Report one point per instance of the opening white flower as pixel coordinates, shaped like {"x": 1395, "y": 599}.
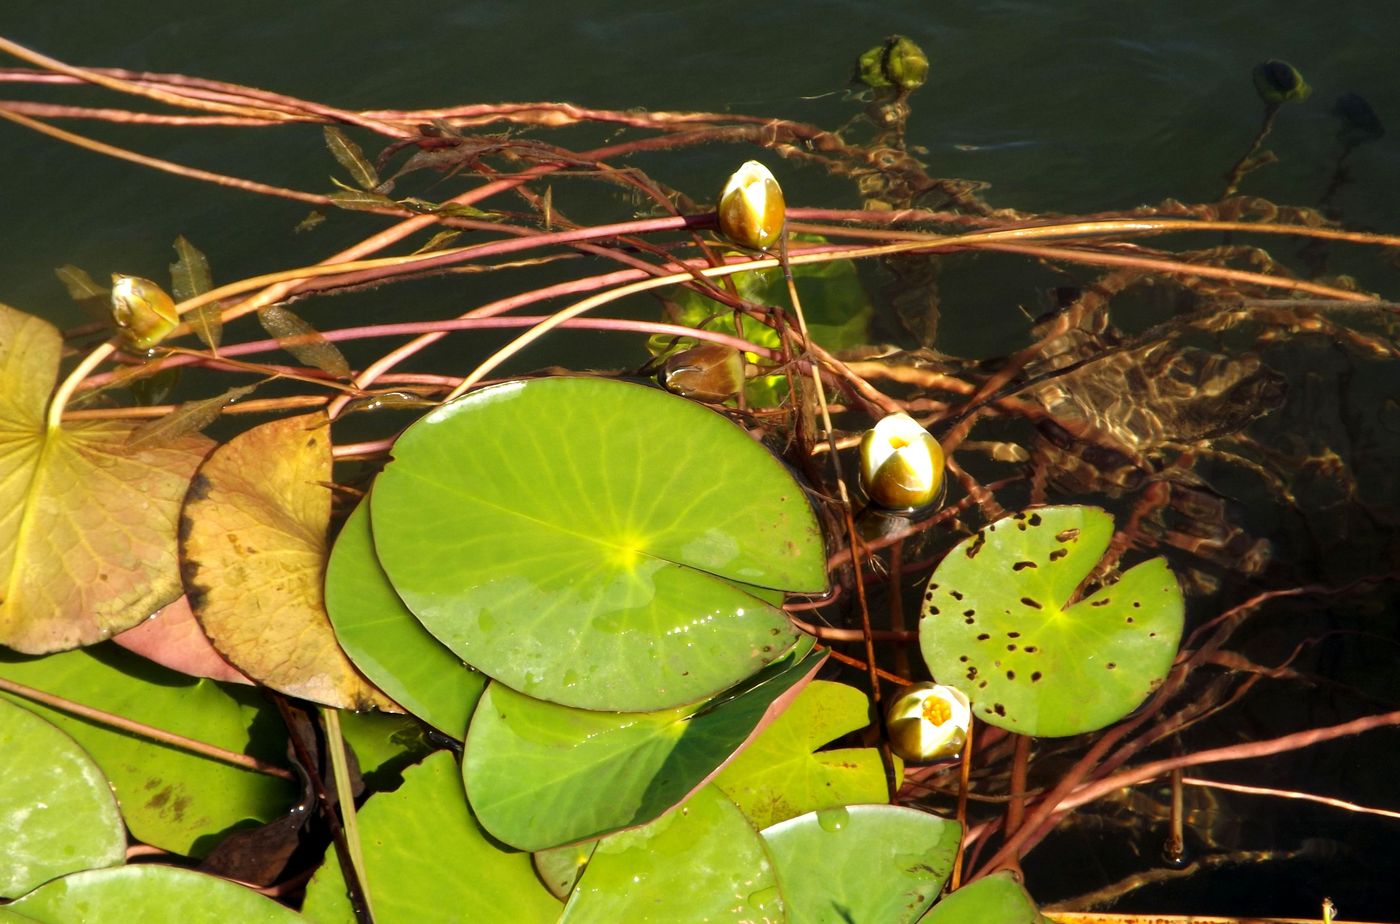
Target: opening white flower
{"x": 751, "y": 207}
{"x": 901, "y": 464}
{"x": 928, "y": 722}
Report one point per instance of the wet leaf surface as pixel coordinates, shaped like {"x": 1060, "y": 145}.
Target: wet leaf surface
{"x": 87, "y": 525}
{"x": 153, "y": 895}
{"x": 578, "y": 540}
{"x": 253, "y": 543}
{"x": 57, "y": 814}
{"x": 881, "y": 863}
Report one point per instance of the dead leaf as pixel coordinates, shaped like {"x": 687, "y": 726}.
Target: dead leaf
{"x": 87, "y": 525}
{"x": 303, "y": 341}
{"x": 172, "y": 638}
{"x": 253, "y": 552}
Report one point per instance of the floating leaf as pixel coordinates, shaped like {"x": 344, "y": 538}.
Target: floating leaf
{"x": 576, "y": 539}
{"x": 172, "y": 638}
{"x": 349, "y": 156}
{"x": 253, "y": 547}
{"x": 882, "y": 863}
{"x": 150, "y": 894}
{"x": 384, "y": 640}
{"x": 778, "y": 776}
{"x": 189, "y": 276}
{"x": 57, "y": 814}
{"x": 87, "y": 525}
{"x": 540, "y": 775}
{"x": 190, "y": 417}
{"x": 425, "y": 853}
{"x": 994, "y": 899}
{"x": 303, "y": 341}
{"x": 170, "y": 798}
{"x": 996, "y": 624}
{"x": 701, "y": 862}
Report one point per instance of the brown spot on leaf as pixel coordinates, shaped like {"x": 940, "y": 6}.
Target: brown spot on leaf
{"x": 955, "y": 594}
{"x": 1067, "y": 535}
{"x": 999, "y": 709}
{"x": 1027, "y": 601}
{"x": 983, "y": 637}
{"x": 1104, "y": 601}
{"x": 1023, "y": 565}
{"x": 1035, "y": 677}
{"x": 977, "y": 544}
{"x": 1057, "y": 554}
{"x": 1035, "y": 519}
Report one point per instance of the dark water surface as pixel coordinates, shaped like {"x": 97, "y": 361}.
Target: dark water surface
{"x": 1072, "y": 106}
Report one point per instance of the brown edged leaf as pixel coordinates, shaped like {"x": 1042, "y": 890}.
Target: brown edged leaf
{"x": 303, "y": 341}
{"x": 349, "y": 156}
{"x": 189, "y": 276}
{"x": 87, "y": 524}
{"x": 190, "y": 417}
{"x": 172, "y": 638}
{"x": 253, "y": 551}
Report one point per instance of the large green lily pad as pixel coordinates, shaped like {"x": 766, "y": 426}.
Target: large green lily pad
{"x": 150, "y": 894}
{"x": 881, "y": 863}
{"x": 998, "y": 624}
{"x": 782, "y": 774}
{"x": 540, "y": 775}
{"x": 57, "y": 813}
{"x": 386, "y": 643}
{"x": 580, "y": 540}
{"x": 701, "y": 862}
{"x": 410, "y": 881}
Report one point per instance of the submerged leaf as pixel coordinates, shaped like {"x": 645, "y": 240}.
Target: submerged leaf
{"x": 87, "y": 524}
{"x": 94, "y": 299}
{"x": 303, "y": 341}
{"x": 253, "y": 549}
{"x": 190, "y": 417}
{"x": 189, "y": 276}
{"x": 349, "y": 156}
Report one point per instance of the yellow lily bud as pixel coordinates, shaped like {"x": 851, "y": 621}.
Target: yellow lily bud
{"x": 708, "y": 372}
{"x": 901, "y": 464}
{"x": 928, "y": 722}
{"x": 142, "y": 310}
{"x": 751, "y": 207}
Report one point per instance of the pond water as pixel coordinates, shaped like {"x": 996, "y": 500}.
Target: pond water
{"x": 1075, "y": 107}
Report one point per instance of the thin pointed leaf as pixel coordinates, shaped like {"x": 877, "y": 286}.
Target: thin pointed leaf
{"x": 190, "y": 417}
{"x": 303, "y": 341}
{"x": 189, "y": 276}
{"x": 349, "y": 155}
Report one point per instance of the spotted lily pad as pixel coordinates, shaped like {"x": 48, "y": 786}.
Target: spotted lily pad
{"x": 998, "y": 624}
{"x": 583, "y": 541}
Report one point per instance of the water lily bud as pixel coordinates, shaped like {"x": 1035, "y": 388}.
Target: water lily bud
{"x": 1278, "y": 82}
{"x": 142, "y": 310}
{"x": 901, "y": 464}
{"x": 870, "y": 69}
{"x": 708, "y": 372}
{"x": 927, "y": 722}
{"x": 751, "y": 207}
{"x": 906, "y": 65}
{"x": 1359, "y": 121}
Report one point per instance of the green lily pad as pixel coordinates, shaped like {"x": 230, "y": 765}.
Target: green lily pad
{"x": 997, "y": 626}
{"x": 880, "y": 863}
{"x": 578, "y": 539}
{"x": 169, "y": 798}
{"x": 540, "y": 775}
{"x": 150, "y": 894}
{"x": 782, "y": 774}
{"x": 57, "y": 813}
{"x": 702, "y": 862}
{"x": 425, "y": 853}
{"x": 995, "y": 899}
{"x": 386, "y": 643}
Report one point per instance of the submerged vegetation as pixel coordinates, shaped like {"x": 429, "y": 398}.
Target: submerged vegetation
{"x": 625, "y": 644}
